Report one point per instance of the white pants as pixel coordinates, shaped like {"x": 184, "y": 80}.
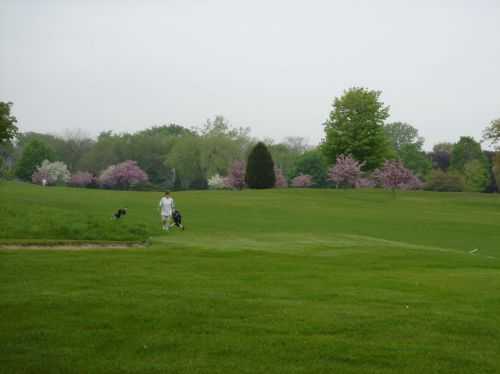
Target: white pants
{"x": 165, "y": 219}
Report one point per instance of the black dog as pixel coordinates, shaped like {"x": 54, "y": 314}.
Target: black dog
{"x": 177, "y": 217}
{"x": 119, "y": 213}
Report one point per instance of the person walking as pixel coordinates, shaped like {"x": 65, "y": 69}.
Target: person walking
{"x": 167, "y": 207}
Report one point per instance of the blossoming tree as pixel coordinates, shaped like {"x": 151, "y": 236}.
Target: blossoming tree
{"x": 81, "y": 179}
{"x": 216, "y": 182}
{"x": 123, "y": 175}
{"x": 302, "y": 180}
{"x": 394, "y": 175}
{"x": 236, "y": 175}
{"x": 281, "y": 181}
{"x": 51, "y": 172}
{"x": 346, "y": 172}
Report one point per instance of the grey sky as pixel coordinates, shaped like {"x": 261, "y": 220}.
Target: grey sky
{"x": 272, "y": 65}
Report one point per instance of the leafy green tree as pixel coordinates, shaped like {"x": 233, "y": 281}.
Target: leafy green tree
{"x": 466, "y": 150}
{"x": 74, "y": 146}
{"x": 185, "y": 159}
{"x": 476, "y": 176}
{"x": 33, "y": 155}
{"x": 8, "y": 128}
{"x": 415, "y": 159}
{"x": 443, "y": 147}
{"x": 171, "y": 131}
{"x": 491, "y": 186}
{"x": 356, "y": 127}
{"x": 407, "y": 146}
{"x": 221, "y": 144}
{"x": 311, "y": 163}
{"x": 54, "y": 142}
{"x": 6, "y": 159}
{"x": 260, "y": 168}
{"x": 109, "y": 149}
{"x": 286, "y": 153}
{"x": 400, "y": 134}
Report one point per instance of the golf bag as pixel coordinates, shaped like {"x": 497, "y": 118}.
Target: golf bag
{"x": 177, "y": 217}
{"x": 119, "y": 213}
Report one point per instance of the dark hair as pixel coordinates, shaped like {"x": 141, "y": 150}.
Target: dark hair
{"x": 167, "y": 192}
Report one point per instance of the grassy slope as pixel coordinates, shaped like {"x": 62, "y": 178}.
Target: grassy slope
{"x": 262, "y": 281}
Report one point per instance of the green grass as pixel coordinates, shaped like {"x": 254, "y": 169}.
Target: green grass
{"x": 280, "y": 281}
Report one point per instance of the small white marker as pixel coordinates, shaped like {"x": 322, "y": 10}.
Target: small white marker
{"x": 474, "y": 251}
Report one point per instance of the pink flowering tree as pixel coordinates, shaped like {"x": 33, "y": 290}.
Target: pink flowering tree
{"x": 236, "y": 175}
{"x": 280, "y": 180}
{"x": 346, "y": 172}
{"x": 81, "y": 179}
{"x": 393, "y": 175}
{"x": 302, "y": 181}
{"x": 123, "y": 175}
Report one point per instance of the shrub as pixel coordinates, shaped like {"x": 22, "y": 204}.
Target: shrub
{"x": 216, "y": 182}
{"x": 302, "y": 181}
{"x": 260, "y": 168}
{"x": 393, "y": 175}
{"x": 81, "y": 179}
{"x": 236, "y": 175}
{"x": 280, "y": 179}
{"x": 52, "y": 172}
{"x": 124, "y": 175}
{"x": 346, "y": 171}
{"x": 444, "y": 181}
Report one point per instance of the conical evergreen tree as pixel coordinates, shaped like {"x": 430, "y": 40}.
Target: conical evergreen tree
{"x": 260, "y": 168}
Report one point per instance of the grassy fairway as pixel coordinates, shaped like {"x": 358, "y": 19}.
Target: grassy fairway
{"x": 281, "y": 281}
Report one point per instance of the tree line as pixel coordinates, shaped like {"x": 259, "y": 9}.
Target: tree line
{"x": 357, "y": 140}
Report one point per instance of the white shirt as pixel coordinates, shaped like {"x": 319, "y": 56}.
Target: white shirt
{"x": 166, "y": 206}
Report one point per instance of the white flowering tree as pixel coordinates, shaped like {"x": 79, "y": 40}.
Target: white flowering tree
{"x": 52, "y": 173}
{"x": 216, "y": 182}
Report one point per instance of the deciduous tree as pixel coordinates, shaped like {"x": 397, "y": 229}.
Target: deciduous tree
{"x": 236, "y": 175}
{"x": 467, "y": 149}
{"x": 441, "y": 155}
{"x": 407, "y": 146}
{"x": 311, "y": 163}
{"x": 302, "y": 181}
{"x": 346, "y": 172}
{"x": 281, "y": 181}
{"x": 34, "y": 153}
{"x": 52, "y": 172}
{"x": 356, "y": 127}
{"x": 491, "y": 133}
{"x": 82, "y": 179}
{"x": 124, "y": 175}
{"x": 393, "y": 175}
{"x": 8, "y": 128}
{"x": 476, "y": 176}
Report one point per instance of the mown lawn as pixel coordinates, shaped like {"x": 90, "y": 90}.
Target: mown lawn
{"x": 281, "y": 281}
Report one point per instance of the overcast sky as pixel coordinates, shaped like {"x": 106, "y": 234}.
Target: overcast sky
{"x": 275, "y": 66}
